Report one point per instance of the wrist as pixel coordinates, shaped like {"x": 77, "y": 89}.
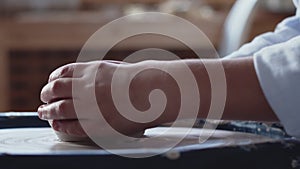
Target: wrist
{"x": 152, "y": 79}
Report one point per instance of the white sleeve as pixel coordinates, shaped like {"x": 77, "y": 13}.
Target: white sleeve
{"x": 286, "y": 30}
{"x": 278, "y": 70}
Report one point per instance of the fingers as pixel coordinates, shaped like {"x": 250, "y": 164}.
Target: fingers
{"x": 67, "y": 71}
{"x": 70, "y": 127}
{"x": 64, "y": 71}
{"x": 57, "y": 90}
{"x": 76, "y": 70}
{"x": 60, "y": 110}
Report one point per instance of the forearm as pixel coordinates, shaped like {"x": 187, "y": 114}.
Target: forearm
{"x": 244, "y": 99}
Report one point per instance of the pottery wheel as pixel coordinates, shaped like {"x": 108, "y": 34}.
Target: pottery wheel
{"x": 44, "y": 141}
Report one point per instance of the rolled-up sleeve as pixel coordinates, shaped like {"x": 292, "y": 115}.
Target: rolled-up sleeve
{"x": 277, "y": 64}
{"x": 278, "y": 71}
{"x": 286, "y": 30}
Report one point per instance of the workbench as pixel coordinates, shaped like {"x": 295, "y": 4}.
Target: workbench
{"x": 27, "y": 142}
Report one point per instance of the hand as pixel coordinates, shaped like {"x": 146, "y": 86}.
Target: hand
{"x": 59, "y": 99}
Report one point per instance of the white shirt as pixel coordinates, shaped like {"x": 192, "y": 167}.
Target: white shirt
{"x": 277, "y": 64}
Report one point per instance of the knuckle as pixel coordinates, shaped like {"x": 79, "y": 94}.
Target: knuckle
{"x": 105, "y": 65}
{"x": 67, "y": 69}
{"x": 61, "y": 71}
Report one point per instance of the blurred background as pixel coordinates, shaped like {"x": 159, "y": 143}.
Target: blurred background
{"x": 37, "y": 36}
